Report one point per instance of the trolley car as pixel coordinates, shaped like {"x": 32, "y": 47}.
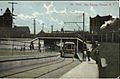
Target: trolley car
{"x": 68, "y": 49}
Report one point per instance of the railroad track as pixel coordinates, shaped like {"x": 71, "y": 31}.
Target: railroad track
{"x": 9, "y": 64}
{"x": 55, "y": 66}
{"x": 42, "y": 64}
{"x": 55, "y": 69}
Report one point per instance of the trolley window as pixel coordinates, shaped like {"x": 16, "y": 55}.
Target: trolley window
{"x": 69, "y": 46}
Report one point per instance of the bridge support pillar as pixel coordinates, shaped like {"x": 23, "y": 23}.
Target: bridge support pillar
{"x": 39, "y": 45}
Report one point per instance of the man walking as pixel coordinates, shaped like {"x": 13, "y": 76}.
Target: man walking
{"x": 88, "y": 54}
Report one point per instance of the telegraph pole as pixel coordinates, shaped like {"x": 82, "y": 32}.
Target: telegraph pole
{"x": 34, "y": 23}
{"x": 12, "y": 3}
{"x": 43, "y": 27}
{"x": 83, "y": 30}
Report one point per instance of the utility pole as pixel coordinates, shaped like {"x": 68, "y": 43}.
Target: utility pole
{"x": 12, "y": 3}
{"x": 34, "y": 23}
{"x": 43, "y": 27}
{"x": 51, "y": 28}
{"x": 83, "y": 30}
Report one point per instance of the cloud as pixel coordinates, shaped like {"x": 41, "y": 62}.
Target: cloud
{"x": 62, "y": 12}
{"x": 33, "y": 15}
{"x": 49, "y": 8}
{"x": 39, "y": 21}
{"x": 36, "y": 14}
{"x": 76, "y": 12}
{"x": 52, "y": 18}
{"x": 24, "y": 17}
{"x": 93, "y": 12}
{"x": 53, "y": 13}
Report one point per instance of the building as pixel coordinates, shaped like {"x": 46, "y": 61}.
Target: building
{"x": 113, "y": 26}
{"x": 104, "y": 28}
{"x": 6, "y": 29}
{"x": 97, "y": 22}
{"x": 6, "y": 19}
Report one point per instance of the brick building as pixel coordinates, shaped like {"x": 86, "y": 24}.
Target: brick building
{"x": 104, "y": 28}
{"x": 6, "y": 29}
{"x": 97, "y": 22}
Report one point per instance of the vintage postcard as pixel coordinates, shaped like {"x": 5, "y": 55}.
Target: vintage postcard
{"x": 59, "y": 39}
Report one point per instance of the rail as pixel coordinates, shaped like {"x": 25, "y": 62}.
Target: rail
{"x": 50, "y": 62}
{"x": 30, "y": 58}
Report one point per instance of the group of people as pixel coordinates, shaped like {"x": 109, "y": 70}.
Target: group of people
{"x": 87, "y": 52}
{"x": 32, "y": 46}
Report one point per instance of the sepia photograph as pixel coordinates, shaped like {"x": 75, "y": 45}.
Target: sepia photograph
{"x": 60, "y": 39}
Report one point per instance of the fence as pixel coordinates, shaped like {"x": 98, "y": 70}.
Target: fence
{"x": 17, "y": 45}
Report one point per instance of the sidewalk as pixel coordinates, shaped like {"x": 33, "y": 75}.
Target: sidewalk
{"x": 87, "y": 69}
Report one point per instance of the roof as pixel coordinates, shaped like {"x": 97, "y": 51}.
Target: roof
{"x": 101, "y": 16}
{"x": 7, "y": 12}
{"x": 23, "y": 28}
{"x": 58, "y": 35}
{"x": 69, "y": 43}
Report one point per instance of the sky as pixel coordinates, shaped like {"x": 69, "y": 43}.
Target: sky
{"x": 55, "y": 13}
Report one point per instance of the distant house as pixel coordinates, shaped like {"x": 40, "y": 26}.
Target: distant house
{"x": 6, "y": 29}
{"x": 23, "y": 31}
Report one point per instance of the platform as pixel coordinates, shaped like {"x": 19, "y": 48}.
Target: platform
{"x": 22, "y": 56}
{"x": 87, "y": 69}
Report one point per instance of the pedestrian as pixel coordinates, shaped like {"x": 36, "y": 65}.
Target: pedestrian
{"x": 84, "y": 54}
{"x": 24, "y": 47}
{"x": 88, "y": 54}
{"x": 31, "y": 46}
{"x": 97, "y": 58}
{"x": 39, "y": 47}
{"x": 94, "y": 45}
